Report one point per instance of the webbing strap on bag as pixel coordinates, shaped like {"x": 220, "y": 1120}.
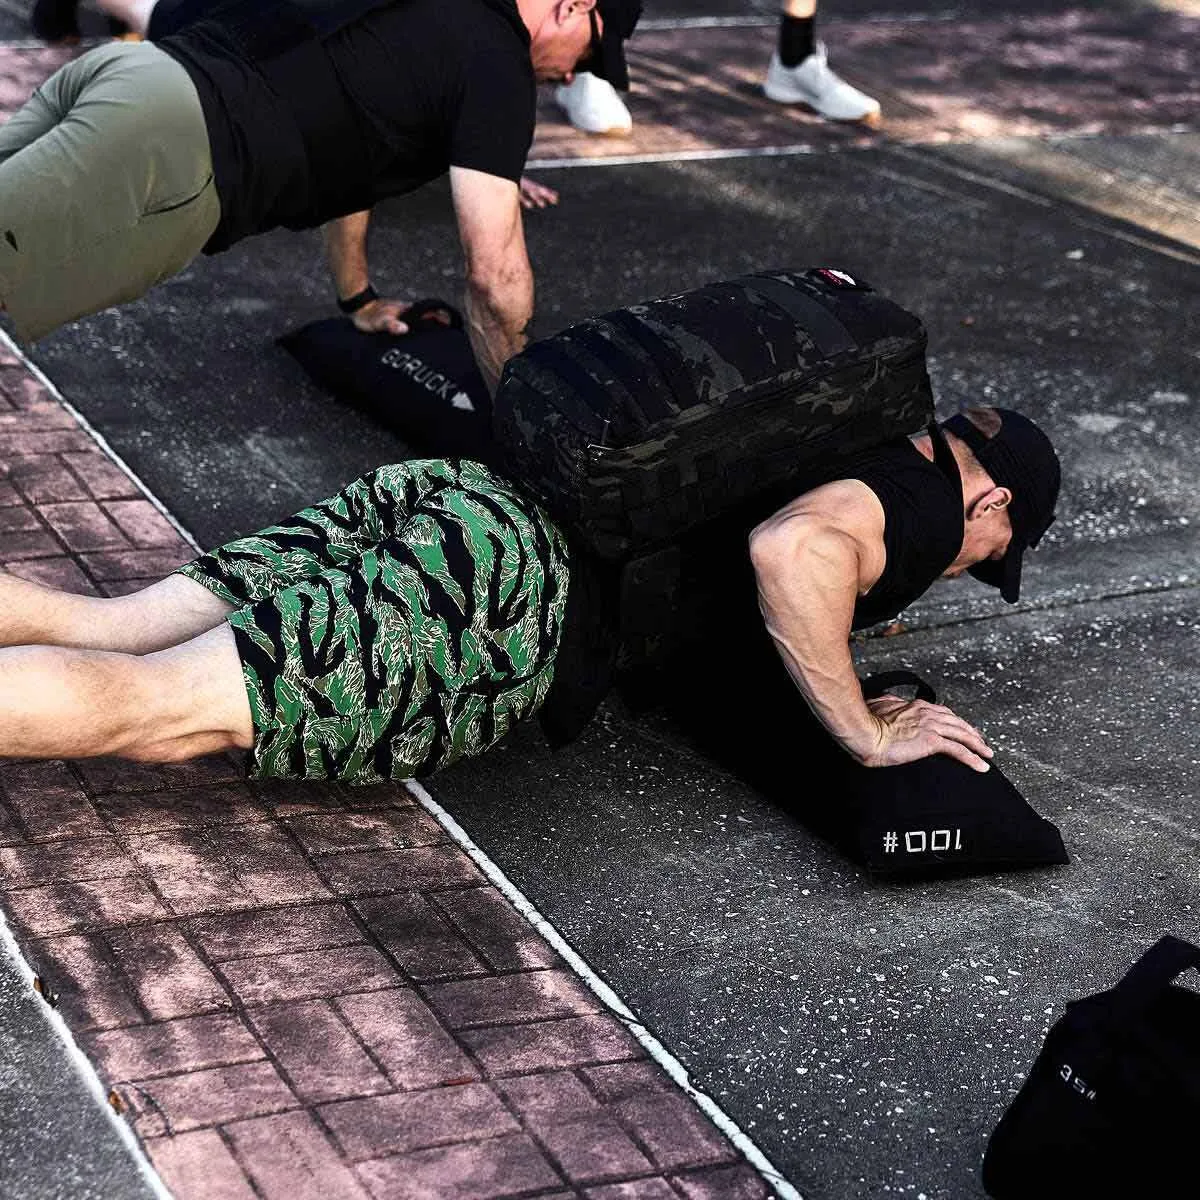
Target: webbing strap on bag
{"x": 877, "y": 685}
{"x": 579, "y": 383}
{"x": 943, "y": 456}
{"x": 649, "y": 402}
{"x": 670, "y": 366}
{"x": 830, "y": 335}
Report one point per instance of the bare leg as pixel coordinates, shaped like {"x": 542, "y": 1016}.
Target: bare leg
{"x": 166, "y": 614}
{"x": 164, "y": 707}
{"x": 799, "y": 8}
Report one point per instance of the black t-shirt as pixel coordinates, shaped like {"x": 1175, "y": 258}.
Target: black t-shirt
{"x": 716, "y": 615}
{"x": 374, "y": 109}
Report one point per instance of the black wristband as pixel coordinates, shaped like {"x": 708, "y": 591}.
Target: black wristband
{"x": 359, "y": 300}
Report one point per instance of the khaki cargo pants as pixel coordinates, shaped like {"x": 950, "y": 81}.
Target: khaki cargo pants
{"x": 106, "y": 186}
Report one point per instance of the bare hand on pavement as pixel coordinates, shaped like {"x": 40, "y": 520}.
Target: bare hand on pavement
{"x": 534, "y": 194}
{"x": 912, "y": 729}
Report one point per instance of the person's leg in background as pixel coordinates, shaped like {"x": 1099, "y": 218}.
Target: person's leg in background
{"x": 106, "y": 186}
{"x": 799, "y": 72}
{"x": 57, "y": 21}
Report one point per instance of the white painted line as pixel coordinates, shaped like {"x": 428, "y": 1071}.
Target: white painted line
{"x": 669, "y": 156}
{"x": 97, "y": 437}
{"x": 653, "y": 1047}
{"x": 648, "y": 24}
{"x": 668, "y": 23}
{"x": 83, "y": 1067}
{"x": 1074, "y": 212}
{"x": 866, "y": 143}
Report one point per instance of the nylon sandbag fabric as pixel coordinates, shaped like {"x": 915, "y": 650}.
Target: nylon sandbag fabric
{"x": 932, "y": 818}
{"x": 1111, "y": 1105}
{"x": 423, "y": 385}
{"x": 641, "y": 424}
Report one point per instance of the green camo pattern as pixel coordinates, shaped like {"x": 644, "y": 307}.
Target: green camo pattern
{"x": 406, "y": 622}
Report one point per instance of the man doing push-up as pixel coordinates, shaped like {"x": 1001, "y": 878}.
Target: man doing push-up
{"x": 418, "y": 615}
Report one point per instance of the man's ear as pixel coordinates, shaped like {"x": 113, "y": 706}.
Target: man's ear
{"x": 995, "y": 499}
{"x": 566, "y": 9}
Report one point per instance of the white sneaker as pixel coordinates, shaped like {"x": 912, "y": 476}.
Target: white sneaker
{"x": 811, "y": 82}
{"x": 592, "y": 104}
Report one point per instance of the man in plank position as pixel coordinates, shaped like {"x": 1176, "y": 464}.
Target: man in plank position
{"x": 134, "y": 158}
{"x": 416, "y": 616}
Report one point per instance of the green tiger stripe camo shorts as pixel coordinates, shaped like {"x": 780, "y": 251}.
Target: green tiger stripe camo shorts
{"x": 408, "y": 621}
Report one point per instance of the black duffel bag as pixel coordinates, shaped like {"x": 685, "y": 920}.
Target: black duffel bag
{"x": 639, "y": 425}
{"x": 1112, "y": 1102}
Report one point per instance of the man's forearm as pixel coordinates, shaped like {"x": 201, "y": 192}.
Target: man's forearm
{"x": 346, "y": 249}
{"x": 825, "y": 675}
{"x": 812, "y": 560}
{"x": 806, "y": 595}
{"x": 497, "y": 319}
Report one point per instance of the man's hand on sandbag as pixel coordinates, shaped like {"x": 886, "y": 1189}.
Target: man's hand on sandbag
{"x": 912, "y": 729}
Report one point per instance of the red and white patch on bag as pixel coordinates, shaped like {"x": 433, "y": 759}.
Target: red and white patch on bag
{"x": 837, "y": 278}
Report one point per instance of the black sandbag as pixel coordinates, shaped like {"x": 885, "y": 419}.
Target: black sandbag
{"x": 423, "y": 385}
{"x": 937, "y": 814}
{"x": 1112, "y": 1102}
{"x": 933, "y": 817}
{"x": 640, "y": 425}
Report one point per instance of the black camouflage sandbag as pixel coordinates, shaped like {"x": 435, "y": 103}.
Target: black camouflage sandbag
{"x": 638, "y": 425}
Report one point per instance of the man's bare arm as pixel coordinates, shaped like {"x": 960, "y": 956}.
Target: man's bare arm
{"x": 346, "y": 249}
{"x": 499, "y": 298}
{"x": 812, "y": 559}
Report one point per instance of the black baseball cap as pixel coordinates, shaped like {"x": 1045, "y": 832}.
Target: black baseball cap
{"x": 607, "y": 56}
{"x": 1017, "y": 456}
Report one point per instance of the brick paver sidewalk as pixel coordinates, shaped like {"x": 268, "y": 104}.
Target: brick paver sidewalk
{"x": 301, "y": 991}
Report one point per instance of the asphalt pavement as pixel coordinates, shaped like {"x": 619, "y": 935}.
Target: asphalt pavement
{"x": 867, "y": 1036}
